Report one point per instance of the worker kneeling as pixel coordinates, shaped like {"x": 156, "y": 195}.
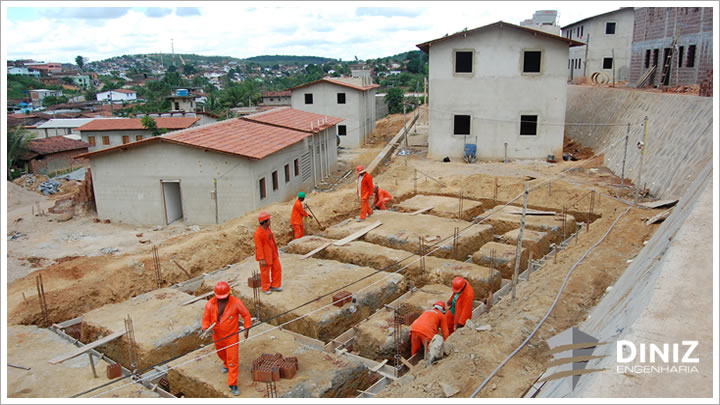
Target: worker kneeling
{"x": 460, "y": 304}
{"x": 222, "y": 314}
{"x": 381, "y": 198}
{"x": 297, "y": 215}
{"x": 426, "y": 326}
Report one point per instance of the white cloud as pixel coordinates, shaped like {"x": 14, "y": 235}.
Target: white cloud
{"x": 338, "y": 30}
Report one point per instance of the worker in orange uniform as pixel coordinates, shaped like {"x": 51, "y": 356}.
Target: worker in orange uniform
{"x": 266, "y": 252}
{"x": 224, "y": 312}
{"x": 365, "y": 189}
{"x": 460, "y": 304}
{"x": 381, "y": 198}
{"x": 297, "y": 215}
{"x": 426, "y": 326}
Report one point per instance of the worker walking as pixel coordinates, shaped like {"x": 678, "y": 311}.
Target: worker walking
{"x": 381, "y": 198}
{"x": 297, "y": 216}
{"x": 460, "y": 304}
{"x": 222, "y": 314}
{"x": 266, "y": 252}
{"x": 365, "y": 189}
{"x": 426, "y": 326}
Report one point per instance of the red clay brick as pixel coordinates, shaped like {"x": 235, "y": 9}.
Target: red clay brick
{"x": 341, "y": 298}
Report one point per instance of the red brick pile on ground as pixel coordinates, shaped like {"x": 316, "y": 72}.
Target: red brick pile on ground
{"x": 576, "y": 150}
{"x": 272, "y": 367}
{"x": 706, "y": 86}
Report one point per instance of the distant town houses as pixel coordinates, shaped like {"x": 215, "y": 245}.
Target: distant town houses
{"x": 117, "y": 95}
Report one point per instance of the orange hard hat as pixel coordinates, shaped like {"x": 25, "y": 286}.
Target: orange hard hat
{"x": 222, "y": 290}
{"x": 458, "y": 284}
{"x": 264, "y": 216}
{"x": 440, "y": 305}
{"x": 360, "y": 168}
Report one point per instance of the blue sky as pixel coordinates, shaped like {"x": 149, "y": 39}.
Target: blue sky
{"x": 57, "y": 31}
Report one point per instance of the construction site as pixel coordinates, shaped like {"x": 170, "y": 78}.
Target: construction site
{"x": 106, "y": 310}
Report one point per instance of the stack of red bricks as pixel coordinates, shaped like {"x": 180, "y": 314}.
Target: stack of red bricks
{"x": 272, "y": 367}
{"x": 706, "y": 86}
{"x": 254, "y": 282}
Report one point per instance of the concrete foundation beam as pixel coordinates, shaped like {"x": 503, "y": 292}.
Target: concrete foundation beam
{"x": 446, "y": 207}
{"x": 501, "y": 257}
{"x": 163, "y": 327}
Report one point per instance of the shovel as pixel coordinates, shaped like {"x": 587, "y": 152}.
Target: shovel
{"x": 316, "y": 218}
{"x": 204, "y": 333}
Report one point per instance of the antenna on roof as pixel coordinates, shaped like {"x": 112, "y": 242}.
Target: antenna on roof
{"x": 311, "y": 126}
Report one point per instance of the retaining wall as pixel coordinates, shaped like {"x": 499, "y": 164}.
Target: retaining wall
{"x": 679, "y": 133}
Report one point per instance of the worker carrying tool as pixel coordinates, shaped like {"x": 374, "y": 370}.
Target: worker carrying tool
{"x": 460, "y": 304}
{"x": 365, "y": 189}
{"x": 297, "y": 216}
{"x": 426, "y": 326}
{"x": 381, "y": 198}
{"x": 266, "y": 252}
{"x": 222, "y": 315}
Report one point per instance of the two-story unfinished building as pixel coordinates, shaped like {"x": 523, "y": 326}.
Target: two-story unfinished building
{"x": 501, "y": 87}
{"x": 607, "y": 40}
{"x": 352, "y": 99}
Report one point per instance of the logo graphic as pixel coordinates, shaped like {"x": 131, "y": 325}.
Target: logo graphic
{"x": 571, "y": 350}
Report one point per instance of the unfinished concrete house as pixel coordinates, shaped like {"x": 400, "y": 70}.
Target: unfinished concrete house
{"x": 110, "y": 132}
{"x": 511, "y": 106}
{"x": 352, "y": 99}
{"x": 676, "y": 41}
{"x": 213, "y": 173}
{"x": 607, "y": 39}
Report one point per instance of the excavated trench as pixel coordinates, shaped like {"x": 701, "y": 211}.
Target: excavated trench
{"x": 369, "y": 330}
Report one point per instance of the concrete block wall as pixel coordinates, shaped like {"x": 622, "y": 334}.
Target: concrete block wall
{"x": 655, "y": 28}
{"x": 680, "y": 133}
{"x": 57, "y": 161}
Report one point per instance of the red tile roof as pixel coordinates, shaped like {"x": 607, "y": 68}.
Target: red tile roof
{"x": 295, "y": 119}
{"x": 425, "y": 46}
{"x": 235, "y": 136}
{"x": 285, "y": 93}
{"x": 55, "y": 144}
{"x": 124, "y": 124}
{"x": 339, "y": 83}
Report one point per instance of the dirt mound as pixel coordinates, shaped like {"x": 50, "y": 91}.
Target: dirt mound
{"x": 17, "y": 196}
{"x": 575, "y": 149}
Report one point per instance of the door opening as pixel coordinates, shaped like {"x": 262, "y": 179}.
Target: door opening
{"x": 172, "y": 199}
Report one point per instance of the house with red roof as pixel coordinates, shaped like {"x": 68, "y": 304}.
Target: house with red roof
{"x": 276, "y": 97}
{"x": 350, "y": 98}
{"x": 47, "y": 155}
{"x": 104, "y": 133}
{"x": 212, "y": 173}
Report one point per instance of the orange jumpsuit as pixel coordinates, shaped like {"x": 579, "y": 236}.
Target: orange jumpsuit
{"x": 265, "y": 248}
{"x": 425, "y": 327}
{"x": 227, "y": 326}
{"x": 296, "y": 219}
{"x": 463, "y": 308}
{"x": 381, "y": 198}
{"x": 365, "y": 191}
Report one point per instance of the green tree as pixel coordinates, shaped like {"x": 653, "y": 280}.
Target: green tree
{"x": 172, "y": 68}
{"x": 149, "y": 123}
{"x": 188, "y": 69}
{"x": 17, "y": 146}
{"x": 53, "y": 100}
{"x": 80, "y": 61}
{"x": 394, "y": 100}
{"x": 67, "y": 80}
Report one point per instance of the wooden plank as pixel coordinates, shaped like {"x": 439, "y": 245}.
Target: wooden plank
{"x": 659, "y": 217}
{"x": 366, "y": 392}
{"x": 345, "y": 241}
{"x": 321, "y": 247}
{"x": 387, "y": 376}
{"x": 533, "y": 212}
{"x": 86, "y": 348}
{"x": 68, "y": 323}
{"x": 379, "y": 366}
{"x": 406, "y": 363}
{"x": 659, "y": 203}
{"x": 421, "y": 211}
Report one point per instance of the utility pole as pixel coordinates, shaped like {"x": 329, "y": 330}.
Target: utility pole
{"x": 643, "y": 147}
{"x": 622, "y": 176}
{"x": 613, "y": 66}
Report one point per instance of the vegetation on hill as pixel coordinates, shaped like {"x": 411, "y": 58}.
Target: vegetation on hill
{"x": 289, "y": 60}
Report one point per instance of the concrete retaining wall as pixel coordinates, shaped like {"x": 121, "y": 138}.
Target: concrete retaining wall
{"x": 679, "y": 133}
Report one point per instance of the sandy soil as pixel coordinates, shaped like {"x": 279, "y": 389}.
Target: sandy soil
{"x": 77, "y": 285}
{"x": 55, "y": 381}
{"x": 47, "y": 241}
